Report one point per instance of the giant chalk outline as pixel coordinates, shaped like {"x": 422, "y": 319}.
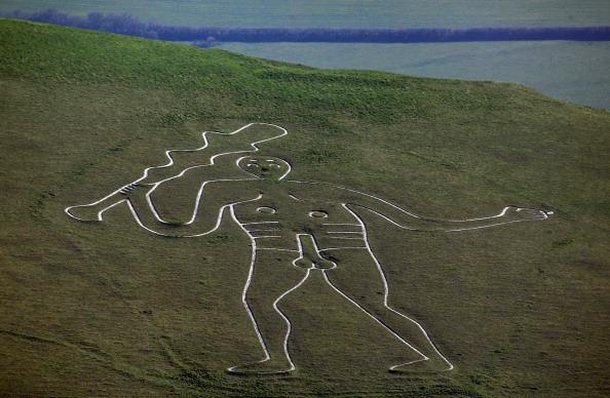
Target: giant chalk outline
{"x": 305, "y": 254}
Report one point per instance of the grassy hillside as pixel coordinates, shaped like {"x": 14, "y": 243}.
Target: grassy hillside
{"x": 107, "y": 309}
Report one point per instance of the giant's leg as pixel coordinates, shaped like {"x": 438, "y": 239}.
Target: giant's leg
{"x": 272, "y": 276}
{"x": 360, "y": 279}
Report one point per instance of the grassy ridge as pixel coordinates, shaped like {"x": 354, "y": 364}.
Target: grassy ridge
{"x": 107, "y": 309}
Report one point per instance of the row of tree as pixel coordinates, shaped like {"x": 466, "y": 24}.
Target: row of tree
{"x": 206, "y": 36}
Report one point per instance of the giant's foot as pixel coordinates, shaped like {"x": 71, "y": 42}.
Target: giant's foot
{"x": 264, "y": 367}
{"x": 422, "y": 366}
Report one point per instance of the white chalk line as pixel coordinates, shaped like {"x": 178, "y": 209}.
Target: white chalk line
{"x": 288, "y": 331}
{"x": 171, "y": 162}
{"x": 244, "y": 298}
{"x": 315, "y": 248}
{"x": 289, "y": 167}
{"x": 544, "y": 214}
{"x": 275, "y": 307}
{"x": 364, "y": 237}
{"x": 197, "y": 199}
{"x": 470, "y": 228}
{"x": 289, "y": 325}
{"x": 245, "y": 291}
{"x": 214, "y": 228}
{"x": 386, "y": 291}
{"x": 345, "y": 296}
{"x": 342, "y": 248}
{"x": 277, "y": 250}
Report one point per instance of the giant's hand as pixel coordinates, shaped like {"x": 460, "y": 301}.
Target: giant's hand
{"x": 86, "y": 213}
{"x": 514, "y": 213}
{"x": 95, "y": 211}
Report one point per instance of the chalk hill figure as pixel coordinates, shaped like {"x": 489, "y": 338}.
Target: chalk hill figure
{"x": 309, "y": 226}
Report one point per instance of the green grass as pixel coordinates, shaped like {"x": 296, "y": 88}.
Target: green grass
{"x": 106, "y": 309}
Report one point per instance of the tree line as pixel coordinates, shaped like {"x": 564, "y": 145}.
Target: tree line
{"x": 207, "y": 36}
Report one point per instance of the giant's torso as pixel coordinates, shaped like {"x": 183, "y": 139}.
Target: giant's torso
{"x": 274, "y": 221}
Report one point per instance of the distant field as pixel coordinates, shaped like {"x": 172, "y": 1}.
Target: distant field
{"x": 106, "y": 309}
{"x": 569, "y": 71}
{"x": 342, "y": 13}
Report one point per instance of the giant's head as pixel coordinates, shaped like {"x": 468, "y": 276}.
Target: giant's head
{"x": 266, "y": 167}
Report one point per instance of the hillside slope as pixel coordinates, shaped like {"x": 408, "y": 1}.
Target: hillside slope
{"x": 108, "y": 309}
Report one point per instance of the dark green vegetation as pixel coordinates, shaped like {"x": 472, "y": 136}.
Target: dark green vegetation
{"x": 107, "y": 309}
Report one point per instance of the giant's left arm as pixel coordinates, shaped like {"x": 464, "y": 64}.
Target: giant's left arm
{"x": 358, "y": 201}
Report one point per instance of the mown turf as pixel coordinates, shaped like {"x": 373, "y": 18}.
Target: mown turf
{"x": 106, "y": 309}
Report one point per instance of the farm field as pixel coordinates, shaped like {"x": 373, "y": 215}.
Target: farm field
{"x": 106, "y": 309}
{"x": 340, "y": 13}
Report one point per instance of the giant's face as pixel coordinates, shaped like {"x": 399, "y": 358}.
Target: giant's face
{"x": 266, "y": 167}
